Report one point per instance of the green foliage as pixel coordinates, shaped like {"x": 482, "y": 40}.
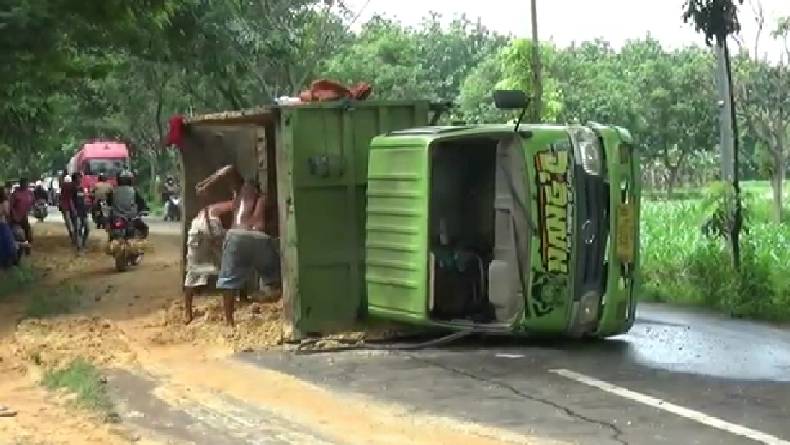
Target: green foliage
{"x": 83, "y": 379}
{"x": 681, "y": 265}
{"x": 718, "y": 206}
{"x": 517, "y": 74}
{"x": 50, "y": 302}
{"x": 16, "y": 279}
{"x": 430, "y": 61}
{"x": 715, "y": 19}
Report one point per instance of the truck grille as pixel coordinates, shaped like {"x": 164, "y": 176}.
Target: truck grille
{"x": 591, "y": 233}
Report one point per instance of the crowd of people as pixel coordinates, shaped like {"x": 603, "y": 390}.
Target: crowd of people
{"x": 75, "y": 204}
{"x": 16, "y": 235}
{"x": 227, "y": 242}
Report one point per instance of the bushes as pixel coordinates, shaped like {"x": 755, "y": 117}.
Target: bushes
{"x": 682, "y": 265}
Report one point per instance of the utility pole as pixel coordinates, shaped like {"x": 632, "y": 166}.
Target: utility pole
{"x": 537, "y": 75}
{"x": 728, "y": 135}
{"x": 726, "y": 141}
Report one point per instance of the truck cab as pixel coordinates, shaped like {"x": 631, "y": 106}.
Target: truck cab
{"x": 529, "y": 229}
{"x": 99, "y": 156}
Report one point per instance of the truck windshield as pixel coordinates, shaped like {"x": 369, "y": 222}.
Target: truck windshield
{"x": 110, "y": 167}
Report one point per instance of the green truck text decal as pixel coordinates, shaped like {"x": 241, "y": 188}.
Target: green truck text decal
{"x": 554, "y": 209}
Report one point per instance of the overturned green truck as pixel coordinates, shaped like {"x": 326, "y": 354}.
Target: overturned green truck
{"x": 530, "y": 229}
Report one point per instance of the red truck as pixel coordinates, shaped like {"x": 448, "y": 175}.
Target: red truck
{"x": 99, "y": 156}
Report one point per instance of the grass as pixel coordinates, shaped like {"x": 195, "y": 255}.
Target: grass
{"x": 680, "y": 265}
{"x": 16, "y": 279}
{"x": 83, "y": 380}
{"x": 47, "y": 303}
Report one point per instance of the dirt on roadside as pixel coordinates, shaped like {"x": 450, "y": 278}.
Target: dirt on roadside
{"x": 134, "y": 321}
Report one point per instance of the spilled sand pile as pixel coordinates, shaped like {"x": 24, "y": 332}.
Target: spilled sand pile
{"x": 258, "y": 326}
{"x": 55, "y": 342}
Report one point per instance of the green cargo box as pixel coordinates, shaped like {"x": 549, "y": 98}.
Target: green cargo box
{"x": 314, "y": 159}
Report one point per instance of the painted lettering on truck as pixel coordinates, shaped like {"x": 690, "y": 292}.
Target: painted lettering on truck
{"x": 554, "y": 208}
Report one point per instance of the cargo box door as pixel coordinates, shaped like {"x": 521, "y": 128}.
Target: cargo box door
{"x": 396, "y": 230}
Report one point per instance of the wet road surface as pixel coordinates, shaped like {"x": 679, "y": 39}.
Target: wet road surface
{"x": 680, "y": 376}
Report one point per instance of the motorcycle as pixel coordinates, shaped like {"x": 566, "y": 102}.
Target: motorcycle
{"x": 173, "y": 208}
{"x": 124, "y": 244}
{"x": 40, "y": 210}
{"x": 101, "y": 213}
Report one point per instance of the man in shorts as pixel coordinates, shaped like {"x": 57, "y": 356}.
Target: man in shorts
{"x": 247, "y": 247}
{"x": 204, "y": 250}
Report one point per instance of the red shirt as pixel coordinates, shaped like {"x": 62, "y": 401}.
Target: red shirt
{"x": 66, "y": 196}
{"x": 21, "y": 203}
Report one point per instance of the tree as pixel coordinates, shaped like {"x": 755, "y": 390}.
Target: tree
{"x": 717, "y": 20}
{"x": 765, "y": 107}
{"x": 428, "y": 62}
{"x": 517, "y": 72}
{"x": 50, "y": 48}
{"x": 675, "y": 110}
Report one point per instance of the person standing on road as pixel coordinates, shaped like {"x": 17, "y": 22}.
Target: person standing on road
{"x": 80, "y": 213}
{"x": 65, "y": 205}
{"x": 8, "y": 254}
{"x": 204, "y": 250}
{"x": 247, "y": 247}
{"x": 21, "y": 202}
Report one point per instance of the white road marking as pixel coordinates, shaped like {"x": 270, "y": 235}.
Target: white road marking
{"x": 504, "y": 355}
{"x": 655, "y": 402}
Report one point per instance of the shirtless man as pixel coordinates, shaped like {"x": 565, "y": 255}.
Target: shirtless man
{"x": 247, "y": 246}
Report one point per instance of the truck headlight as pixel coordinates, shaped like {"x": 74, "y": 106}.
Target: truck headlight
{"x": 589, "y": 151}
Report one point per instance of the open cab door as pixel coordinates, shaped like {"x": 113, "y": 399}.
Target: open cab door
{"x": 396, "y": 269}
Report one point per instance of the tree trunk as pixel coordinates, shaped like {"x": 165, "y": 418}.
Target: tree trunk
{"x": 672, "y": 178}
{"x": 777, "y": 182}
{"x": 152, "y": 170}
{"x": 736, "y": 229}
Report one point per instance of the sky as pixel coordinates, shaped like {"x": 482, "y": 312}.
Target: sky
{"x": 565, "y": 21}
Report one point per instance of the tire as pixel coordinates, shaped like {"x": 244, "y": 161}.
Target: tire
{"x": 120, "y": 262}
{"x": 135, "y": 260}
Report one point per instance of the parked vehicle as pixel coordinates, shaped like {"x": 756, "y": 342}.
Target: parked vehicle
{"x": 40, "y": 209}
{"x": 125, "y": 244}
{"x": 515, "y": 229}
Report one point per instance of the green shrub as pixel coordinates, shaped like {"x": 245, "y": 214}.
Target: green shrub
{"x": 680, "y": 264}
{"x": 49, "y": 302}
{"x": 16, "y": 279}
{"x": 83, "y": 379}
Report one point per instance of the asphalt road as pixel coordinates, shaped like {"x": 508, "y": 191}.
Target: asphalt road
{"x": 679, "y": 377}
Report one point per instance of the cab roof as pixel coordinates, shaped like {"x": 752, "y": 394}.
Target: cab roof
{"x": 105, "y": 149}
{"x": 435, "y": 133}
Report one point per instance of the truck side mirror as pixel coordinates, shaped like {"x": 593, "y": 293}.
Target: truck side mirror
{"x": 510, "y": 99}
